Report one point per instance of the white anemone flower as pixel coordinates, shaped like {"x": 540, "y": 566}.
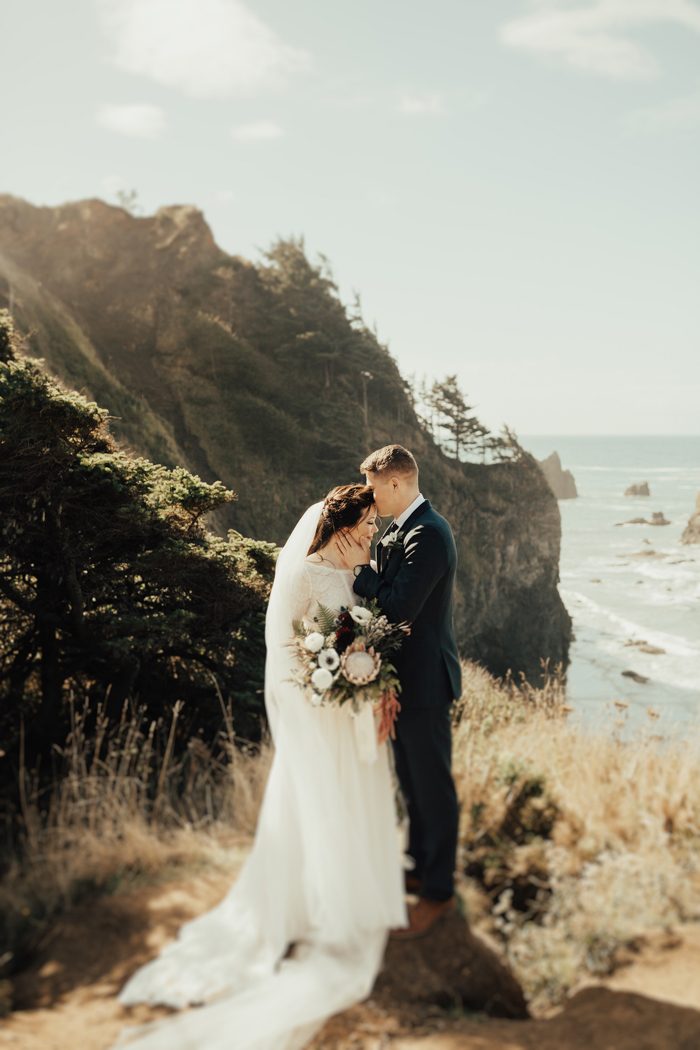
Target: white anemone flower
{"x": 329, "y": 659}
{"x": 314, "y": 642}
{"x": 361, "y": 615}
{"x": 321, "y": 679}
{"x": 316, "y": 699}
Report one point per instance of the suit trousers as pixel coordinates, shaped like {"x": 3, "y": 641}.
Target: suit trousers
{"x": 423, "y": 756}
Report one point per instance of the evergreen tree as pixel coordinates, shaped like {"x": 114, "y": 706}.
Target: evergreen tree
{"x": 426, "y": 407}
{"x": 454, "y": 418}
{"x": 505, "y": 447}
{"x": 312, "y": 320}
{"x": 110, "y": 586}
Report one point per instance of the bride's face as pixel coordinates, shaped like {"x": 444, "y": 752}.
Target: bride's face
{"x": 366, "y": 526}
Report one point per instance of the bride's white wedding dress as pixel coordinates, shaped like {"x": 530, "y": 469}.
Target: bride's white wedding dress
{"x": 324, "y": 872}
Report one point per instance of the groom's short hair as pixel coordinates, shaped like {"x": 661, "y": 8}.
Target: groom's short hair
{"x": 392, "y": 459}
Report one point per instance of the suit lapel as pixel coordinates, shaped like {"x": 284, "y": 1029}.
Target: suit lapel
{"x": 382, "y": 554}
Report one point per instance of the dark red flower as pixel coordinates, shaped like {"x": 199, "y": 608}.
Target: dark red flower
{"x": 344, "y": 636}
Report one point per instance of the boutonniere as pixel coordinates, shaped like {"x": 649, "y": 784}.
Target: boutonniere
{"x": 405, "y": 540}
{"x": 394, "y": 539}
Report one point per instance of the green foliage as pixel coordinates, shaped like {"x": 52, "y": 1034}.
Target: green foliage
{"x": 463, "y": 431}
{"x": 325, "y": 619}
{"x": 6, "y": 337}
{"x": 110, "y": 586}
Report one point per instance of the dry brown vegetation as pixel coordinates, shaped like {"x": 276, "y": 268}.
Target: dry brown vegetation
{"x": 583, "y": 843}
{"x": 576, "y": 846}
{"x": 124, "y": 811}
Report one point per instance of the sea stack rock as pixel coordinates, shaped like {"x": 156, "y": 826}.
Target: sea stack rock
{"x": 640, "y": 489}
{"x": 657, "y": 518}
{"x": 560, "y": 481}
{"x": 691, "y": 533}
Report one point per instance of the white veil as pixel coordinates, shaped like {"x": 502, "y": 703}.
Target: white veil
{"x": 284, "y": 597}
{"x": 312, "y": 832}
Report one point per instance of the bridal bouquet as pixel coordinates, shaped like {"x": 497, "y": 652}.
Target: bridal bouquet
{"x": 344, "y": 659}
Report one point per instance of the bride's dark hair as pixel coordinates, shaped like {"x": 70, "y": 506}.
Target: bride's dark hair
{"x": 343, "y": 507}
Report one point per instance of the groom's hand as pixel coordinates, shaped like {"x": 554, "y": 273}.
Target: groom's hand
{"x": 351, "y": 551}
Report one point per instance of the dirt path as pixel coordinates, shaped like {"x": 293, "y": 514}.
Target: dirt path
{"x": 68, "y": 997}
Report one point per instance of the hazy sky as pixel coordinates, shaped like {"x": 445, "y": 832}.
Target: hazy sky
{"x": 511, "y": 185}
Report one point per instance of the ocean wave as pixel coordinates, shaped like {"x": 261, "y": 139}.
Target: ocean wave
{"x": 683, "y": 575}
{"x": 602, "y": 638}
{"x": 594, "y": 614}
{"x": 666, "y": 572}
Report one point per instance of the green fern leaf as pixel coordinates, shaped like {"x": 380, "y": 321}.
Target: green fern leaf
{"x": 325, "y": 619}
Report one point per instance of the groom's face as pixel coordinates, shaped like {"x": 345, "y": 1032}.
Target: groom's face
{"x": 385, "y": 492}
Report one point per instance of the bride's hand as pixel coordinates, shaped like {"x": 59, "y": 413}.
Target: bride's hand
{"x": 351, "y": 551}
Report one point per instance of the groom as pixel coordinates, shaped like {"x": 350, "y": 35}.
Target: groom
{"x": 414, "y": 581}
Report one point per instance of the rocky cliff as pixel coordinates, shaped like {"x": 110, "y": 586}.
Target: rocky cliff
{"x": 258, "y": 375}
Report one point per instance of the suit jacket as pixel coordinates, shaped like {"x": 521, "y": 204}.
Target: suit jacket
{"x": 414, "y": 581}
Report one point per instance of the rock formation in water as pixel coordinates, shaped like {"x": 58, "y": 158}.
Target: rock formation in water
{"x": 257, "y": 375}
{"x": 639, "y": 678}
{"x": 644, "y": 646}
{"x": 560, "y": 481}
{"x": 638, "y": 489}
{"x": 657, "y": 518}
{"x": 691, "y": 533}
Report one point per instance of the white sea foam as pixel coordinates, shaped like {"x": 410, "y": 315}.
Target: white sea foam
{"x": 664, "y": 572}
{"x": 607, "y": 631}
{"x": 594, "y": 614}
{"x": 682, "y": 578}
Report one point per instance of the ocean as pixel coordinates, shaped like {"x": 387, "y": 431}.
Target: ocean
{"x": 631, "y": 583}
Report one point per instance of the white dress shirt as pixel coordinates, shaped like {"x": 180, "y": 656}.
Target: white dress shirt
{"x": 403, "y": 517}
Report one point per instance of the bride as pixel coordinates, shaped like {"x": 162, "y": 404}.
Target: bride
{"x": 301, "y": 933}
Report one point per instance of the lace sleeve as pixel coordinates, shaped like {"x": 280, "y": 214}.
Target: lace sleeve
{"x": 302, "y": 596}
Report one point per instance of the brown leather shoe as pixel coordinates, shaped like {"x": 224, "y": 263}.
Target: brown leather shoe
{"x": 411, "y": 882}
{"x": 422, "y": 916}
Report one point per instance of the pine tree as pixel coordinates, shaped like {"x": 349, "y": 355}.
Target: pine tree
{"x": 454, "y": 417}
{"x": 110, "y": 585}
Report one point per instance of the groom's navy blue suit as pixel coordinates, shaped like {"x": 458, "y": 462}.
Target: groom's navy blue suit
{"x": 414, "y": 581}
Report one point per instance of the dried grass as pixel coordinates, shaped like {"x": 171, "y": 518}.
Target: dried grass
{"x": 584, "y": 842}
{"x": 581, "y": 843}
{"x": 123, "y": 811}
